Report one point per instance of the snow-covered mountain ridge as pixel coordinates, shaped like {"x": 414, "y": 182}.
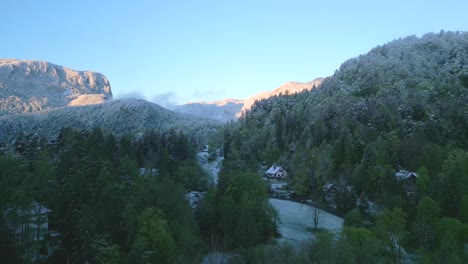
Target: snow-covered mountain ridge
{"x": 232, "y": 109}
{"x": 122, "y": 116}
{"x": 32, "y": 86}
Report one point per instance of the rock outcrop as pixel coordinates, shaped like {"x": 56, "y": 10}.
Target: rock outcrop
{"x": 35, "y": 86}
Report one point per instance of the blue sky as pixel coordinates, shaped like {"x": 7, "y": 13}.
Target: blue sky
{"x": 179, "y": 51}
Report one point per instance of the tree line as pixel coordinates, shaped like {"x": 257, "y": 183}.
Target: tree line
{"x": 400, "y": 106}
{"x": 106, "y": 209}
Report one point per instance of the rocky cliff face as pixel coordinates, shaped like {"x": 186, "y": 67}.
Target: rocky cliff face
{"x": 34, "y": 86}
{"x": 231, "y": 109}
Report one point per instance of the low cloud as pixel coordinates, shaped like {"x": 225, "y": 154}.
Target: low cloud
{"x": 166, "y": 100}
{"x": 131, "y": 94}
{"x": 209, "y": 95}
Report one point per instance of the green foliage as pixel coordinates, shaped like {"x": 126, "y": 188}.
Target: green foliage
{"x": 238, "y": 213}
{"x": 396, "y": 107}
{"x": 89, "y": 180}
{"x": 390, "y": 228}
{"x": 464, "y": 80}
{"x": 366, "y": 248}
{"x": 191, "y": 175}
{"x": 155, "y": 237}
{"x": 352, "y": 245}
{"x": 454, "y": 184}
{"x": 427, "y": 215}
{"x": 449, "y": 247}
{"x": 378, "y": 113}
{"x": 10, "y": 252}
{"x": 353, "y": 218}
{"x": 106, "y": 252}
{"x": 423, "y": 180}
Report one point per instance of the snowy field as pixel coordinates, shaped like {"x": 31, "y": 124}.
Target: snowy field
{"x": 296, "y": 220}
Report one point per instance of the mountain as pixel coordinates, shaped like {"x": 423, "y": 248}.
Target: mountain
{"x": 132, "y": 116}
{"x": 222, "y": 111}
{"x": 287, "y": 88}
{"x": 232, "y": 109}
{"x": 403, "y": 105}
{"x": 34, "y": 86}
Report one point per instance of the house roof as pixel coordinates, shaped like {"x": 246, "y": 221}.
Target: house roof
{"x": 274, "y": 169}
{"x": 34, "y": 209}
{"x": 149, "y": 171}
{"x": 403, "y": 174}
{"x": 43, "y": 209}
{"x": 327, "y": 187}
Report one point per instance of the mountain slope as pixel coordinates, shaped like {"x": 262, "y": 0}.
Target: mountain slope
{"x": 287, "y": 88}
{"x": 33, "y": 86}
{"x": 231, "y": 109}
{"x": 222, "y": 111}
{"x": 402, "y": 105}
{"x": 132, "y": 116}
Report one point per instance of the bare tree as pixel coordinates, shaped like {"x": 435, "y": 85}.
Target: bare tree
{"x": 316, "y": 217}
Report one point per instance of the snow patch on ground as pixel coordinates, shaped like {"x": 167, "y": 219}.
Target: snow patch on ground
{"x": 296, "y": 220}
{"x": 216, "y": 258}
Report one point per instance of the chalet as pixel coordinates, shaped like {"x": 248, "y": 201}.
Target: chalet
{"x": 330, "y": 192}
{"x": 276, "y": 172}
{"x": 29, "y": 226}
{"x": 408, "y": 180}
{"x": 149, "y": 172}
{"x": 206, "y": 148}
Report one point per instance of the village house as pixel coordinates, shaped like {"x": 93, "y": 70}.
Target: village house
{"x": 408, "y": 180}
{"x": 29, "y": 227}
{"x": 206, "y": 148}
{"x": 149, "y": 172}
{"x": 330, "y": 192}
{"x": 276, "y": 172}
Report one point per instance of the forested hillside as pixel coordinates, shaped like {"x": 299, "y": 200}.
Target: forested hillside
{"x": 121, "y": 200}
{"x": 403, "y": 105}
{"x": 112, "y": 178}
{"x": 103, "y": 208}
{"x": 125, "y": 116}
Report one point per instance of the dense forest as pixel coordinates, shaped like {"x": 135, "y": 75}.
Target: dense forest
{"x": 123, "y": 116}
{"x": 122, "y": 200}
{"x": 100, "y": 204}
{"x": 403, "y": 105}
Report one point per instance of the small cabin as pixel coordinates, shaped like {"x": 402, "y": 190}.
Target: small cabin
{"x": 408, "y": 180}
{"x": 330, "y": 192}
{"x": 206, "y": 148}
{"x": 276, "y": 172}
{"x": 148, "y": 172}
{"x": 30, "y": 225}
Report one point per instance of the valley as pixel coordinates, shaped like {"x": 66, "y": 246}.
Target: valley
{"x": 383, "y": 142}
